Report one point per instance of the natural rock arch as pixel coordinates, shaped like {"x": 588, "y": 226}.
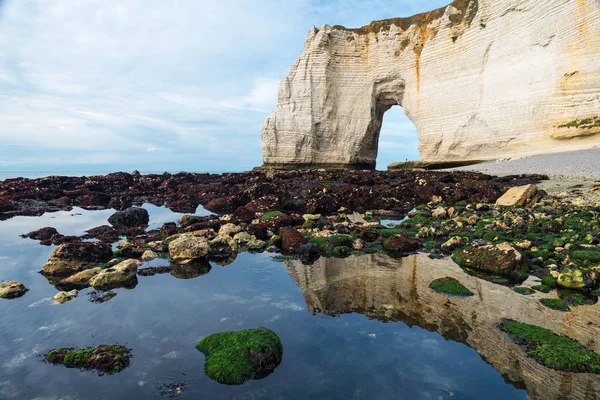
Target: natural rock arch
{"x": 480, "y": 79}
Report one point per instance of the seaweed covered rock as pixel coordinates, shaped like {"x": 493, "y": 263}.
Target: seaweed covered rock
{"x": 233, "y": 358}
{"x": 187, "y": 248}
{"x": 577, "y": 279}
{"x": 502, "y": 259}
{"x": 105, "y": 359}
{"x": 130, "y": 218}
{"x": 450, "y": 286}
{"x": 291, "y": 239}
{"x": 73, "y": 257}
{"x": 401, "y": 243}
{"x": 12, "y": 289}
{"x": 551, "y": 350}
{"x": 123, "y": 274}
{"x": 328, "y": 243}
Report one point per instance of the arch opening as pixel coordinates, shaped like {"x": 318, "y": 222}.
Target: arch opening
{"x": 397, "y": 139}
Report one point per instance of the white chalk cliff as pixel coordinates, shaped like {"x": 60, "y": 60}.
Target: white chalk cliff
{"x": 480, "y": 79}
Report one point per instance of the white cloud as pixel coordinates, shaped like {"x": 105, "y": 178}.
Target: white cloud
{"x": 86, "y": 80}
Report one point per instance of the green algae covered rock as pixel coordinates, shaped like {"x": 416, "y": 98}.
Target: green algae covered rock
{"x": 502, "y": 259}
{"x": 551, "y": 350}
{"x": 577, "y": 279}
{"x": 105, "y": 359}
{"x": 450, "y": 286}
{"x": 233, "y": 358}
{"x": 555, "y": 304}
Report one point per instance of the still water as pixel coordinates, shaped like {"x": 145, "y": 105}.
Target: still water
{"x": 361, "y": 328}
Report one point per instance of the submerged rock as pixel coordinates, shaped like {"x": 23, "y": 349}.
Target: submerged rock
{"x": 233, "y": 358}
{"x": 123, "y": 274}
{"x": 70, "y": 258}
{"x": 130, "y": 218}
{"x": 105, "y": 359}
{"x": 191, "y": 270}
{"x": 62, "y": 297}
{"x": 12, "y": 289}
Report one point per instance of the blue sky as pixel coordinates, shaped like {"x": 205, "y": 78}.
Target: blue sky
{"x": 156, "y": 85}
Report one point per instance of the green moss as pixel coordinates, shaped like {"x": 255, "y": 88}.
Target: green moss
{"x": 234, "y": 357}
{"x": 551, "y": 350}
{"x": 371, "y": 250}
{"x": 524, "y": 290}
{"x": 586, "y": 123}
{"x": 589, "y": 256}
{"x": 327, "y": 244}
{"x": 117, "y": 253}
{"x": 271, "y": 214}
{"x": 549, "y": 281}
{"x": 542, "y": 288}
{"x": 450, "y": 286}
{"x": 309, "y": 225}
{"x": 555, "y": 304}
{"x": 387, "y": 232}
{"x": 106, "y": 359}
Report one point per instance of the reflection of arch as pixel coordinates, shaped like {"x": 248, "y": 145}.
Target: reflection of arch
{"x": 398, "y": 290}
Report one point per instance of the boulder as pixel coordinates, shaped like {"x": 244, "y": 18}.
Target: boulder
{"x": 188, "y": 247}
{"x": 80, "y": 280}
{"x": 577, "y": 279}
{"x": 12, "y": 289}
{"x": 229, "y": 230}
{"x": 501, "y": 259}
{"x": 70, "y": 258}
{"x": 517, "y": 196}
{"x": 223, "y": 246}
{"x": 130, "y": 218}
{"x": 123, "y": 274}
{"x": 63, "y": 297}
{"x": 149, "y": 255}
{"x": 243, "y": 238}
{"x": 401, "y": 243}
{"x": 256, "y": 245}
{"x": 291, "y": 239}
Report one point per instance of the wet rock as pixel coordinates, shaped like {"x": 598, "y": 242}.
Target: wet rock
{"x": 187, "y": 248}
{"x": 577, "y": 279}
{"x": 439, "y": 213}
{"x": 222, "y": 247}
{"x": 123, "y": 274}
{"x": 358, "y": 244}
{"x": 452, "y": 244}
{"x": 130, "y": 218}
{"x": 229, "y": 230}
{"x": 291, "y": 239}
{"x": 70, "y": 258}
{"x": 308, "y": 252}
{"x": 63, "y": 297}
{"x": 43, "y": 234}
{"x": 243, "y": 238}
{"x": 151, "y": 271}
{"x": 401, "y": 243}
{"x": 99, "y": 297}
{"x": 168, "y": 229}
{"x": 105, "y": 359}
{"x": 104, "y": 233}
{"x": 149, "y": 255}
{"x": 12, "y": 289}
{"x": 256, "y": 245}
{"x": 517, "y": 196}
{"x": 80, "y": 280}
{"x": 502, "y": 259}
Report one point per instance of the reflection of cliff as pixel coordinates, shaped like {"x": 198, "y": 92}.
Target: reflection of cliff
{"x": 398, "y": 290}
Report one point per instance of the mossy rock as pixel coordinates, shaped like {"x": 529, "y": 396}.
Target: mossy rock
{"x": 232, "y": 358}
{"x": 552, "y": 350}
{"x": 341, "y": 251}
{"x": 105, "y": 359}
{"x": 450, "y": 286}
{"x": 327, "y": 244}
{"x": 524, "y": 290}
{"x": 549, "y": 281}
{"x": 586, "y": 256}
{"x": 271, "y": 214}
{"x": 371, "y": 250}
{"x": 542, "y": 288}
{"x": 555, "y": 304}
{"x": 309, "y": 225}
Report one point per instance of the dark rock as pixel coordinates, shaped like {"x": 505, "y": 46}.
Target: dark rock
{"x": 291, "y": 239}
{"x": 43, "y": 234}
{"x": 401, "y": 243}
{"x": 308, "y": 252}
{"x": 130, "y": 218}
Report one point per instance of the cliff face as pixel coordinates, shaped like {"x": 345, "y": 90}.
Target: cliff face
{"x": 480, "y": 79}
{"x": 388, "y": 289}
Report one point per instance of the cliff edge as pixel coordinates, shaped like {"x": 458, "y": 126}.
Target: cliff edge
{"x": 480, "y": 79}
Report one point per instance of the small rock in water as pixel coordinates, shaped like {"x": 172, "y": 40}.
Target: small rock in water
{"x": 100, "y": 297}
{"x": 130, "y": 218}
{"x": 149, "y": 255}
{"x": 63, "y": 297}
{"x": 12, "y": 289}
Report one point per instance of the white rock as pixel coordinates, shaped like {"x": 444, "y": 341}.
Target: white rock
{"x": 485, "y": 79}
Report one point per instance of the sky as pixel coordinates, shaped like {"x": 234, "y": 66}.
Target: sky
{"x": 154, "y": 85}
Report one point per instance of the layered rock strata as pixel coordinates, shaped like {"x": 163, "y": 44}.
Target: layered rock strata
{"x": 480, "y": 79}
